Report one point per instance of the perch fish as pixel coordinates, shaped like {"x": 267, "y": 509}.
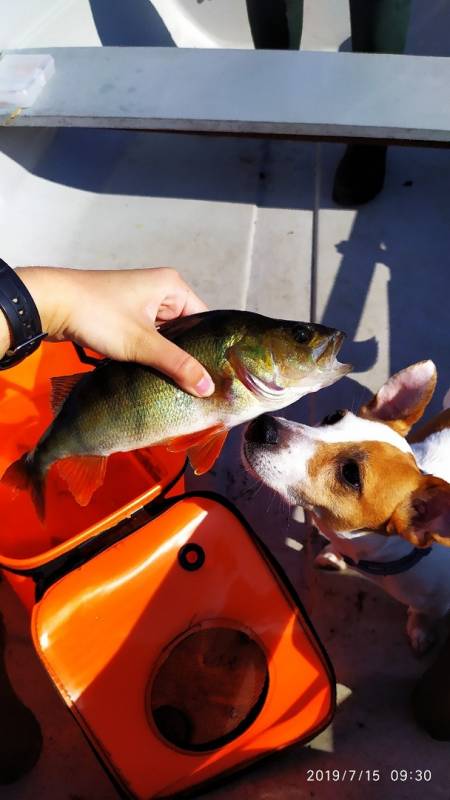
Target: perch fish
{"x": 258, "y": 364}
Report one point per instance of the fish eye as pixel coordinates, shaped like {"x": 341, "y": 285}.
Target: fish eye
{"x": 336, "y": 416}
{"x": 302, "y": 334}
{"x": 350, "y": 474}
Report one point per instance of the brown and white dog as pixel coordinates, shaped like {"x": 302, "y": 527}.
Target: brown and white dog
{"x": 363, "y": 482}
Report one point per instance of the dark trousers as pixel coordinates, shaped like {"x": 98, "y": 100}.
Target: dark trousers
{"x": 378, "y": 26}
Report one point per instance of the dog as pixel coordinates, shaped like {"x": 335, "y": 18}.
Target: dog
{"x": 381, "y": 501}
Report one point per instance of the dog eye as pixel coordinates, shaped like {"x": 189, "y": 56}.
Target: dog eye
{"x": 330, "y": 419}
{"x": 350, "y": 474}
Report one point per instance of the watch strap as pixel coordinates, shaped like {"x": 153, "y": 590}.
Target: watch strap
{"x": 22, "y": 316}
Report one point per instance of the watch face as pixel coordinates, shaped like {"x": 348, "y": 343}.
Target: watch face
{"x": 209, "y": 688}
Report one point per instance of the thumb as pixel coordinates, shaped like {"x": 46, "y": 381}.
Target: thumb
{"x": 178, "y": 365}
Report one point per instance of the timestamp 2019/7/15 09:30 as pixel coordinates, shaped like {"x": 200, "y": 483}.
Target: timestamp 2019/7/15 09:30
{"x": 369, "y": 775}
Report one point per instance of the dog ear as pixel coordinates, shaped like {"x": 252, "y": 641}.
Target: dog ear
{"x": 403, "y": 398}
{"x": 424, "y": 515}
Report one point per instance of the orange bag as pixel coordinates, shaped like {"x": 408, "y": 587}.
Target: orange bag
{"x": 26, "y": 545}
{"x": 165, "y": 625}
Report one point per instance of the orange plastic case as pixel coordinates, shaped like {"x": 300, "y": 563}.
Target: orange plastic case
{"x": 163, "y": 622}
{"x": 132, "y": 479}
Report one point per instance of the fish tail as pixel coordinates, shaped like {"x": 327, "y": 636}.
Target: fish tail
{"x": 23, "y": 474}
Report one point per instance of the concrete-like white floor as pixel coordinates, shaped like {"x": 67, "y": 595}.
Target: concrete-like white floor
{"x": 235, "y": 217}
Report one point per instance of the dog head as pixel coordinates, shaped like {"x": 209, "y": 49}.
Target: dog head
{"x": 357, "y": 472}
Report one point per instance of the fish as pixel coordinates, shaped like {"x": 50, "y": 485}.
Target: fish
{"x": 258, "y": 364}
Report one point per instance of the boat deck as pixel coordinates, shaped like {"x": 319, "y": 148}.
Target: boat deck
{"x": 234, "y": 216}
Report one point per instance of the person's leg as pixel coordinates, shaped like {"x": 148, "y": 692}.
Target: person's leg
{"x": 378, "y": 26}
{"x": 21, "y": 737}
{"x": 431, "y": 697}
{"x": 276, "y": 24}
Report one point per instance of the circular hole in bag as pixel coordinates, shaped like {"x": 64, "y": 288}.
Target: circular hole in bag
{"x": 209, "y": 687}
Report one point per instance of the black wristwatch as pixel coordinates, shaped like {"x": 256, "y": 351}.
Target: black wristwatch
{"x": 21, "y": 315}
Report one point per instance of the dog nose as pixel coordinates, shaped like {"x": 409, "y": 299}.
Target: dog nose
{"x": 263, "y": 430}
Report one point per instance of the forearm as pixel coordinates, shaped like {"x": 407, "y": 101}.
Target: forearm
{"x": 49, "y": 289}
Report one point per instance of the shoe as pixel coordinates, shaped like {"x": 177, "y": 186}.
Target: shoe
{"x": 360, "y": 174}
{"x": 21, "y": 737}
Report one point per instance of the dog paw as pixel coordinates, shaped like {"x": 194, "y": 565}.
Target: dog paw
{"x": 421, "y": 634}
{"x": 421, "y": 641}
{"x": 330, "y": 560}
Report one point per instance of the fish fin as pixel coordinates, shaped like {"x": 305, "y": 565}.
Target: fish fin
{"x": 83, "y": 475}
{"x": 62, "y": 385}
{"x": 174, "y": 328}
{"x": 180, "y": 444}
{"x": 204, "y": 455}
{"x": 21, "y": 474}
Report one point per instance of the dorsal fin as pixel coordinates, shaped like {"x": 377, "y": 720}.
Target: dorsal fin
{"x": 174, "y": 328}
{"x": 62, "y": 385}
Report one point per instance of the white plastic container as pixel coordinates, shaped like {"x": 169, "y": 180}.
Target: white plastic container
{"x": 22, "y": 78}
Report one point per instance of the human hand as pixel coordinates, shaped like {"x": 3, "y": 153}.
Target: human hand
{"x": 115, "y": 312}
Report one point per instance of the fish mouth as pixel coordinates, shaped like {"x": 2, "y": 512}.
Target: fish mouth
{"x": 328, "y": 348}
{"x": 327, "y": 359}
{"x": 334, "y": 371}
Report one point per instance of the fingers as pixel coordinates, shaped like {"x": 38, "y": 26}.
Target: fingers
{"x": 193, "y": 304}
{"x": 183, "y": 369}
{"x": 177, "y": 299}
{"x": 176, "y": 296}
